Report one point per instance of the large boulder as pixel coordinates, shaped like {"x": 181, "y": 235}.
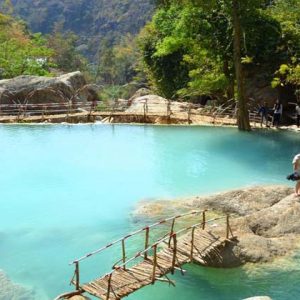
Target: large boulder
{"x": 154, "y": 104}
{"x": 265, "y": 220}
{"x": 140, "y": 93}
{"x": 37, "y": 89}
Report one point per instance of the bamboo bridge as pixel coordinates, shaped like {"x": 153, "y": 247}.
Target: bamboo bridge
{"x": 72, "y": 111}
{"x": 191, "y": 244}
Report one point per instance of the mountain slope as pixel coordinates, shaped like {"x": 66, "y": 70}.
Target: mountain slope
{"x": 92, "y": 20}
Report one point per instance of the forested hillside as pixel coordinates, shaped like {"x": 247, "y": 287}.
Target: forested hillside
{"x": 102, "y": 30}
{"x": 91, "y": 20}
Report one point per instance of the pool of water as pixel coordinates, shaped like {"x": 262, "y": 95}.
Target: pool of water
{"x": 66, "y": 190}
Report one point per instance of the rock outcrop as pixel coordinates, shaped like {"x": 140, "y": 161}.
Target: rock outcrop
{"x": 140, "y": 93}
{"x": 156, "y": 105}
{"x": 36, "y": 89}
{"x": 264, "y": 219}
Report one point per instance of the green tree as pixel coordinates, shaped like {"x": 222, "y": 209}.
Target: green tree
{"x": 65, "y": 57}
{"x": 21, "y": 53}
{"x": 7, "y": 7}
{"x": 211, "y": 43}
{"x": 287, "y": 13}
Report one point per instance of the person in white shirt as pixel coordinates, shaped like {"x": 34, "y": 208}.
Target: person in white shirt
{"x": 298, "y": 113}
{"x": 296, "y": 165}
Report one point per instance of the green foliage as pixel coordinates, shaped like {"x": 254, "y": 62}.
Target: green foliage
{"x": 6, "y": 7}
{"x": 187, "y": 49}
{"x": 176, "y": 51}
{"x": 116, "y": 65}
{"x": 287, "y": 13}
{"x": 113, "y": 92}
{"x": 65, "y": 56}
{"x": 21, "y": 53}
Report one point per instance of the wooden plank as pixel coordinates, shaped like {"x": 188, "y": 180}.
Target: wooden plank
{"x": 125, "y": 282}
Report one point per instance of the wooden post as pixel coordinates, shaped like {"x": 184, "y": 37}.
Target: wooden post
{"x": 146, "y": 105}
{"x": 192, "y": 244}
{"x": 90, "y": 113}
{"x": 174, "y": 252}
{"x": 154, "y": 262}
{"x": 43, "y": 113}
{"x": 189, "y": 113}
{"x": 123, "y": 253}
{"x": 108, "y": 287}
{"x": 146, "y": 242}
{"x": 227, "y": 227}
{"x": 203, "y": 219}
{"x": 77, "y": 277}
{"x": 171, "y": 232}
{"x": 169, "y": 111}
{"x": 19, "y": 113}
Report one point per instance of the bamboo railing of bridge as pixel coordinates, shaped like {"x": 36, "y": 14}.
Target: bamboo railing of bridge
{"x": 193, "y": 243}
{"x": 70, "y": 107}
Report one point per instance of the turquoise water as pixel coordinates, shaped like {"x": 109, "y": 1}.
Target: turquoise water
{"x": 66, "y": 190}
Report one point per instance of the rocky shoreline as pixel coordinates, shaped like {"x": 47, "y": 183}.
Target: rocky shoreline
{"x": 265, "y": 220}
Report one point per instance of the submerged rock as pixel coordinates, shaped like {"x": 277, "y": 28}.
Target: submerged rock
{"x": 264, "y": 219}
{"x": 79, "y": 298}
{"x": 259, "y": 298}
{"x": 11, "y": 290}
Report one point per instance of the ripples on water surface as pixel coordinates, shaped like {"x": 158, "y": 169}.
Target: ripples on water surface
{"x": 66, "y": 190}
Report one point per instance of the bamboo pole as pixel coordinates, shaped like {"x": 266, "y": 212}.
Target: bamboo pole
{"x": 203, "y": 219}
{"x": 174, "y": 252}
{"x": 146, "y": 242}
{"x": 77, "y": 276}
{"x": 154, "y": 262}
{"x": 189, "y": 113}
{"x": 169, "y": 110}
{"x": 171, "y": 232}
{"x": 108, "y": 287}
{"x": 227, "y": 227}
{"x": 123, "y": 254}
{"x": 192, "y": 243}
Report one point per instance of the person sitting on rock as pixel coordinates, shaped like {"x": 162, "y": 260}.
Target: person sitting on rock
{"x": 296, "y": 165}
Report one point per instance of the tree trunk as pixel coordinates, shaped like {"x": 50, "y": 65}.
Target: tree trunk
{"x": 243, "y": 114}
{"x": 228, "y": 74}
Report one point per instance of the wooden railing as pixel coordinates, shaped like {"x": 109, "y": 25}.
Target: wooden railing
{"x": 45, "y": 108}
{"x": 170, "y": 239}
{"x": 115, "y": 107}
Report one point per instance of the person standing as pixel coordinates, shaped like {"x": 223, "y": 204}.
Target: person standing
{"x": 277, "y": 113}
{"x": 298, "y": 114}
{"x": 296, "y": 166}
{"x": 264, "y": 111}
